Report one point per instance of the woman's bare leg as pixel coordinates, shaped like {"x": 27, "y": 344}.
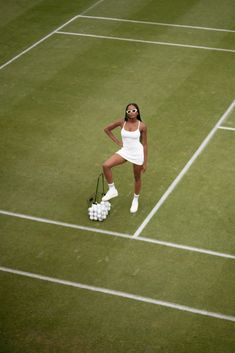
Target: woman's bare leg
{"x": 137, "y": 176}
{"x": 109, "y": 164}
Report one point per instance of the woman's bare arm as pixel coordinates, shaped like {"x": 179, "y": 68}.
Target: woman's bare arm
{"x": 145, "y": 145}
{"x": 108, "y": 130}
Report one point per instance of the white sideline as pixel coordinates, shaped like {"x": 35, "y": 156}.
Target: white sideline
{"x": 159, "y": 24}
{"x": 227, "y": 128}
{"x": 184, "y": 170}
{"x": 119, "y": 294}
{"x": 145, "y": 41}
{"x": 121, "y": 235}
{"x": 47, "y": 36}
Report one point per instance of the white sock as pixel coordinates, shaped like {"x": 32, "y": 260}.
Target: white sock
{"x": 136, "y": 197}
{"x": 111, "y": 186}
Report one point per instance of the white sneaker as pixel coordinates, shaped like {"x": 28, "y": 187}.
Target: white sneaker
{"x": 134, "y": 206}
{"x": 111, "y": 193}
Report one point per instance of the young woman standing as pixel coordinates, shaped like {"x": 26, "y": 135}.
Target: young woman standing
{"x": 133, "y": 149}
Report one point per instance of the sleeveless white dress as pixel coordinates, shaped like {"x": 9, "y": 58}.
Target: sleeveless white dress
{"x": 132, "y": 150}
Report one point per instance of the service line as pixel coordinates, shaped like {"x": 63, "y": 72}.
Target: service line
{"x": 124, "y": 39}
{"x": 227, "y": 128}
{"x": 93, "y": 230}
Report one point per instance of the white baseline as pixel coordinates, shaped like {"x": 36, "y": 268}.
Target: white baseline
{"x": 184, "y": 170}
{"x": 120, "y": 294}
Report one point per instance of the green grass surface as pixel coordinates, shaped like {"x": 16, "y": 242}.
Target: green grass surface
{"x": 108, "y": 262}
{"x": 54, "y": 102}
{"x": 231, "y": 121}
{"x": 151, "y": 32}
{"x": 205, "y": 208}
{"x": 101, "y": 323}
{"x": 62, "y": 108}
{"x": 25, "y": 22}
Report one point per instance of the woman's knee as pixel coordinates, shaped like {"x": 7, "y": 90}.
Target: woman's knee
{"x": 106, "y": 165}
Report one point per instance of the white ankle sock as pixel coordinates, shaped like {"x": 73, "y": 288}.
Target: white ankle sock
{"x": 111, "y": 186}
{"x": 136, "y": 197}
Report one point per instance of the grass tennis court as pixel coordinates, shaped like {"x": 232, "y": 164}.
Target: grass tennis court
{"x": 161, "y": 280}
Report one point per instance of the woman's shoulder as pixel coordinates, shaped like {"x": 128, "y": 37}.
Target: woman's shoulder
{"x": 142, "y": 126}
{"x": 121, "y": 122}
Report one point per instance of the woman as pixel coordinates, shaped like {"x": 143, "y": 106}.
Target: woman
{"x": 133, "y": 149}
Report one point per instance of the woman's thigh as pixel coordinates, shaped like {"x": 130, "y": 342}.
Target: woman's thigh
{"x": 114, "y": 160}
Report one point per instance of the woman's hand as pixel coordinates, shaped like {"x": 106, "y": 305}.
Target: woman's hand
{"x": 144, "y": 167}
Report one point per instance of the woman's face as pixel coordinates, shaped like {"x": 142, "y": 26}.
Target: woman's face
{"x": 132, "y": 112}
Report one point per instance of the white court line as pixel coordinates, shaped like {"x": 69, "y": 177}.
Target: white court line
{"x": 121, "y": 235}
{"x": 227, "y": 128}
{"x": 63, "y": 224}
{"x": 146, "y": 41}
{"x": 159, "y": 24}
{"x": 184, "y": 170}
{"x": 121, "y": 294}
{"x": 47, "y": 36}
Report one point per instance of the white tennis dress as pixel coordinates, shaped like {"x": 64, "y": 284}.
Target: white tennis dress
{"x": 132, "y": 150}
